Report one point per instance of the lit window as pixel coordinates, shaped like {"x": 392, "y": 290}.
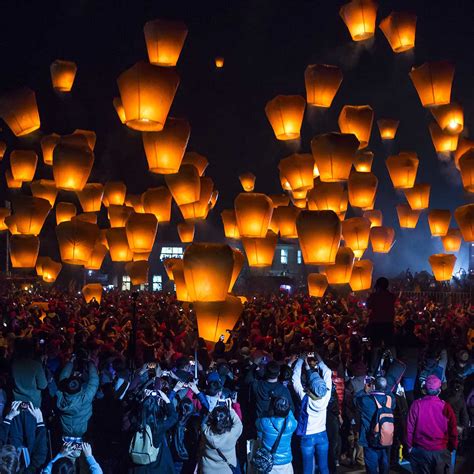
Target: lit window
{"x": 126, "y": 284}
{"x": 144, "y": 287}
{"x": 171, "y": 252}
{"x": 156, "y": 282}
{"x": 298, "y": 257}
{"x": 284, "y": 256}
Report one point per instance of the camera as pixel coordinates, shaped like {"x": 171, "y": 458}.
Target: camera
{"x": 369, "y": 380}
{"x": 24, "y": 405}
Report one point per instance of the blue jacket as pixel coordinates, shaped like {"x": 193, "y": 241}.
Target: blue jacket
{"x": 269, "y": 428}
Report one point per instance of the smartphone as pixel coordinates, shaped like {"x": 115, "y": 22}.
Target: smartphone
{"x": 369, "y": 380}
{"x": 192, "y": 362}
{"x": 24, "y": 405}
{"x": 221, "y": 338}
{"x": 310, "y": 354}
{"x": 151, "y": 365}
{"x": 365, "y": 339}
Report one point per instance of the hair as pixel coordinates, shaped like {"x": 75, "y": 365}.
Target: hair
{"x": 381, "y": 384}
{"x": 182, "y": 363}
{"x": 381, "y": 283}
{"x": 213, "y": 388}
{"x": 64, "y": 466}
{"x": 280, "y": 407}
{"x": 272, "y": 370}
{"x": 24, "y": 348}
{"x": 219, "y": 420}
{"x": 71, "y": 385}
{"x": 8, "y": 459}
{"x": 432, "y": 392}
{"x": 285, "y": 373}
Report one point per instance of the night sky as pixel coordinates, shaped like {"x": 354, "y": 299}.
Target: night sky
{"x": 267, "y": 45}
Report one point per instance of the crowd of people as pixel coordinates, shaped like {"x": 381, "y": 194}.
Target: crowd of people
{"x": 298, "y": 385}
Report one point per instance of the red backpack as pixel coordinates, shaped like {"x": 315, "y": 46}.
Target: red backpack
{"x": 382, "y": 426}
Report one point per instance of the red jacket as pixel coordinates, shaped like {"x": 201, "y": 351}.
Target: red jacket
{"x": 431, "y": 425}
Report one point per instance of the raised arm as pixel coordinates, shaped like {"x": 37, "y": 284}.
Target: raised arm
{"x": 296, "y": 379}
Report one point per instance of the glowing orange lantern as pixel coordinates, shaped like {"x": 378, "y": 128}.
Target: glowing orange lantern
{"x": 407, "y": 217}
{"x": 239, "y": 260}
{"x": 19, "y": 111}
{"x": 355, "y": 232}
{"x": 103, "y": 238}
{"x": 177, "y": 269}
{"x": 388, "y": 128}
{"x": 466, "y": 166}
{"x": 164, "y": 41}
{"x": 326, "y": 197}
{"x": 382, "y": 239}
{"x": 334, "y": 154}
{"x": 86, "y": 217}
{"x": 363, "y": 161}
{"x": 44, "y": 188}
{"x": 317, "y": 284}
{"x": 260, "y": 251}
{"x": 63, "y": 74}
{"x": 361, "y": 277}
{"x": 433, "y": 82}
{"x": 23, "y": 164}
{"x": 452, "y": 240}
{"x": 3, "y": 149}
{"x": 357, "y": 119}
{"x": 118, "y": 215}
{"x": 51, "y": 270}
{"x": 147, "y": 93}
{"x": 141, "y": 232}
{"x": 450, "y": 118}
{"x": 118, "y": 245}
{"x": 340, "y": 272}
{"x": 138, "y": 272}
{"x": 219, "y": 61}
{"x": 48, "y": 143}
{"x": 285, "y": 217}
{"x": 135, "y": 201}
{"x": 439, "y": 220}
{"x": 114, "y": 193}
{"x": 168, "y": 264}
{"x": 253, "y": 212}
{"x": 442, "y": 266}
{"x": 24, "y": 250}
{"x": 208, "y": 271}
{"x": 464, "y": 144}
{"x": 214, "y": 197}
{"x": 89, "y": 135}
{"x": 157, "y": 201}
{"x": 375, "y": 217}
{"x": 322, "y": 82}
{"x": 285, "y": 114}
{"x": 359, "y": 17}
{"x": 30, "y": 213}
{"x": 91, "y": 197}
{"x": 141, "y": 256}
{"x": 76, "y": 241}
{"x": 199, "y": 209}
{"x": 195, "y": 159}
{"x": 464, "y": 216}
{"x": 399, "y": 28}
{"x": 402, "y": 169}
{"x": 4, "y": 212}
{"x": 92, "y": 292}
{"x": 117, "y": 103}
{"x": 418, "y": 196}
{"x": 186, "y": 232}
{"x": 12, "y": 183}
{"x": 185, "y": 186}
{"x": 39, "y": 265}
{"x": 97, "y": 257}
{"x": 298, "y": 171}
{"x": 443, "y": 142}
{"x": 247, "y": 180}
{"x": 229, "y": 220}
{"x": 65, "y": 211}
{"x": 362, "y": 188}
{"x": 279, "y": 200}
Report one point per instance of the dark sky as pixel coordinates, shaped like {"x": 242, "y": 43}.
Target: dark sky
{"x": 267, "y": 45}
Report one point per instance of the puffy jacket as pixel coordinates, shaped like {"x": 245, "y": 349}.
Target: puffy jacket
{"x": 269, "y": 428}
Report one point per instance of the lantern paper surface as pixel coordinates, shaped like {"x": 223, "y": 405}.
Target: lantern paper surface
{"x": 141, "y": 232}
{"x": 23, "y": 164}
{"x": 114, "y": 193}
{"x": 185, "y": 186}
{"x": 177, "y": 269}
{"x": 72, "y": 165}
{"x": 97, "y": 257}
{"x": 442, "y": 141}
{"x": 442, "y": 266}
{"x": 285, "y": 217}
{"x": 357, "y": 119}
{"x": 117, "y": 103}
{"x": 92, "y": 292}
{"x": 433, "y": 82}
{"x": 361, "y": 277}
{"x": 359, "y": 17}
{"x": 362, "y": 188}
{"x": 24, "y": 251}
{"x": 247, "y": 180}
{"x": 118, "y": 245}
{"x": 317, "y": 284}
{"x": 118, "y": 215}
{"x": 285, "y": 114}
{"x": 375, "y": 217}
{"x": 195, "y": 159}
{"x": 400, "y": 29}
{"x": 76, "y": 241}
{"x": 19, "y": 111}
{"x": 402, "y": 169}
{"x": 466, "y": 166}
{"x": 418, "y": 196}
{"x": 260, "y": 251}
{"x": 450, "y": 118}
{"x": 30, "y": 213}
{"x": 253, "y": 212}
{"x": 326, "y": 197}
{"x": 138, "y": 272}
{"x": 363, "y": 161}
{"x": 387, "y": 128}
{"x": 91, "y": 197}
{"x": 382, "y": 239}
{"x": 407, "y": 217}
{"x": 239, "y": 260}
{"x": 51, "y": 270}
{"x": 355, "y": 232}
{"x": 157, "y": 201}
{"x": 46, "y": 189}
{"x": 464, "y": 216}
{"x": 452, "y": 240}
{"x": 186, "y": 232}
{"x": 63, "y": 74}
{"x": 298, "y": 171}
{"x": 229, "y": 221}
{"x": 65, "y": 211}
{"x": 340, "y": 272}
{"x": 439, "y": 220}
{"x": 322, "y": 82}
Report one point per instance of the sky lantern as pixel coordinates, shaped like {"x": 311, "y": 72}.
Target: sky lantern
{"x": 260, "y": 251}
{"x": 91, "y": 197}
{"x": 298, "y": 171}
{"x": 199, "y": 209}
{"x": 48, "y": 142}
{"x": 231, "y": 230}
{"x": 92, "y": 292}
{"x": 361, "y": 277}
{"x": 65, "y": 211}
{"x": 439, "y": 220}
{"x": 30, "y": 213}
{"x": 10, "y": 222}
{"x": 322, "y": 82}
{"x": 402, "y": 169}
{"x": 363, "y": 161}
{"x": 279, "y": 200}
{"x": 208, "y": 271}
{"x": 76, "y": 241}
{"x": 118, "y": 215}
{"x": 433, "y": 82}
{"x": 197, "y": 160}
{"x": 299, "y": 203}
{"x": 114, "y": 193}
{"x": 355, "y": 232}
{"x": 138, "y": 272}
{"x": 177, "y": 269}
{"x": 382, "y": 239}
{"x": 285, "y": 114}
{"x": 239, "y": 260}
{"x": 219, "y": 62}
{"x": 388, "y": 128}
{"x": 117, "y": 103}
{"x": 12, "y": 183}
{"x": 4, "y": 212}
{"x": 3, "y": 149}
{"x": 253, "y": 212}
{"x": 168, "y": 265}
{"x": 326, "y": 197}
{"x": 319, "y": 234}
{"x": 357, "y": 119}
{"x": 23, "y": 164}
{"x": 317, "y": 284}
{"x": 443, "y": 142}
{"x": 165, "y": 150}
{"x": 135, "y": 201}
{"x": 375, "y": 217}
{"x": 89, "y": 135}
{"x": 399, "y": 28}
{"x": 442, "y": 265}
{"x": 340, "y": 272}
{"x": 464, "y": 144}
{"x": 247, "y": 180}
{"x": 19, "y": 111}
{"x": 186, "y": 232}
{"x": 164, "y": 41}
{"x": 214, "y": 319}
{"x": 157, "y": 201}
{"x": 452, "y": 240}
{"x": 72, "y": 164}
{"x": 24, "y": 250}
{"x": 466, "y": 165}
{"x": 141, "y": 232}
{"x": 464, "y": 216}
{"x": 418, "y": 196}
{"x": 63, "y": 74}
{"x": 185, "y": 186}
{"x": 214, "y": 198}
{"x": 39, "y": 265}
{"x": 141, "y": 256}
{"x": 147, "y": 92}
{"x": 103, "y": 238}
{"x": 450, "y": 118}
{"x": 118, "y": 245}
{"x": 359, "y": 17}
{"x": 334, "y": 154}
{"x": 51, "y": 270}
{"x": 45, "y": 189}
{"x": 362, "y": 188}
{"x": 97, "y": 257}
{"x": 285, "y": 185}
{"x": 86, "y": 217}
{"x": 285, "y": 217}
{"x": 407, "y": 217}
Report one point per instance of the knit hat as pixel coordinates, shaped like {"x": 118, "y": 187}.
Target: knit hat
{"x": 432, "y": 383}
{"x": 317, "y": 385}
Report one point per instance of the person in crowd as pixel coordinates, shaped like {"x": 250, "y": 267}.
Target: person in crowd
{"x": 431, "y": 431}
{"x": 9, "y": 459}
{"x": 66, "y": 460}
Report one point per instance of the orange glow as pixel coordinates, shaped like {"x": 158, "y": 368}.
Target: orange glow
{"x": 407, "y": 217}
{"x": 118, "y": 215}
{"x": 297, "y": 169}
{"x": 361, "y": 277}
{"x": 450, "y": 118}
{"x": 355, "y": 232}
{"x": 114, "y": 193}
{"x": 375, "y": 217}
{"x": 117, "y": 103}
{"x": 317, "y": 284}
{"x": 382, "y": 239}
{"x": 285, "y": 114}
{"x": 326, "y": 197}
{"x": 452, "y": 240}
{"x": 442, "y": 266}
{"x": 118, "y": 245}
{"x": 198, "y": 161}
{"x": 91, "y": 197}
{"x": 443, "y": 142}
{"x": 466, "y": 166}
{"x": 97, "y": 257}
{"x": 439, "y": 220}
{"x": 433, "y": 82}
{"x": 63, "y": 74}
{"x": 359, "y": 17}
{"x": 30, "y": 213}
{"x": 92, "y": 292}
{"x": 402, "y": 169}
{"x": 322, "y": 82}
{"x": 24, "y": 250}
{"x": 48, "y": 142}
{"x": 185, "y": 186}
{"x": 253, "y": 212}
{"x": 138, "y": 272}
{"x": 285, "y": 217}
{"x": 23, "y": 164}
{"x": 362, "y": 188}
{"x": 12, "y": 183}
{"x": 76, "y": 241}
{"x": 363, "y": 161}
{"x": 260, "y": 251}
{"x": 45, "y": 189}
{"x": 19, "y": 111}
{"x": 157, "y": 201}
{"x": 141, "y": 232}
{"x": 219, "y": 61}
{"x": 229, "y": 221}
{"x": 400, "y": 29}
{"x": 340, "y": 272}
{"x": 247, "y": 180}
{"x": 387, "y": 128}
{"x": 186, "y": 232}
{"x": 464, "y": 216}
{"x": 357, "y": 119}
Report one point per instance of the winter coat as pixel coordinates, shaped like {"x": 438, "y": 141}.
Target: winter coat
{"x": 29, "y": 379}
{"x": 269, "y": 428}
{"x": 211, "y": 462}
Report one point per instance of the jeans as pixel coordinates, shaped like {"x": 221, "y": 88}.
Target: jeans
{"x": 377, "y": 460}
{"x": 423, "y": 461}
{"x": 315, "y": 443}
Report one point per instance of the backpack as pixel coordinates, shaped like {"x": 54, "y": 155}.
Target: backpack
{"x": 141, "y": 449}
{"x": 382, "y": 426}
